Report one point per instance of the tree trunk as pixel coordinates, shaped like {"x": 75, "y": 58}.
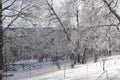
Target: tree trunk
{"x": 1, "y": 42}
{"x": 96, "y": 57}
{"x": 78, "y": 58}
{"x": 84, "y": 56}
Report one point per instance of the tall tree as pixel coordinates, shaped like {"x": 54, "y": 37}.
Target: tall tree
{"x": 1, "y": 42}
{"x": 12, "y": 12}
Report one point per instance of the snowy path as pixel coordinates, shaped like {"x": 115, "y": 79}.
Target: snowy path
{"x": 89, "y": 71}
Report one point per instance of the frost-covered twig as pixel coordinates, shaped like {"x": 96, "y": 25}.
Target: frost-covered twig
{"x": 102, "y": 75}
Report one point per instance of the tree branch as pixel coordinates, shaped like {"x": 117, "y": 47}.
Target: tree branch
{"x": 112, "y": 10}
{"x": 5, "y": 1}
{"x": 65, "y": 31}
{"x": 11, "y": 22}
{"x": 9, "y": 5}
{"x": 97, "y": 26}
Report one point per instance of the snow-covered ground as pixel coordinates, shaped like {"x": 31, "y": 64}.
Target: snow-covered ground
{"x": 88, "y": 71}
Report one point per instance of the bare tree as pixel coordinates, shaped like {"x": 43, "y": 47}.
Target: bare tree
{"x": 11, "y": 13}
{"x": 59, "y": 20}
{"x": 1, "y": 42}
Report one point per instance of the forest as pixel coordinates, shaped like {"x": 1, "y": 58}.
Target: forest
{"x": 59, "y": 39}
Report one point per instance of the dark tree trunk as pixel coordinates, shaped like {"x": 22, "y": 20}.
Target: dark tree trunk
{"x": 109, "y": 52}
{"x": 78, "y": 58}
{"x": 84, "y": 56}
{"x": 96, "y": 57}
{"x": 1, "y": 42}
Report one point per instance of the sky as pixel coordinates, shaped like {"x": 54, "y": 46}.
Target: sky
{"x": 58, "y": 2}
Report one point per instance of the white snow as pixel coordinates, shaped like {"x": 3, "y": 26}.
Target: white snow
{"x": 88, "y": 71}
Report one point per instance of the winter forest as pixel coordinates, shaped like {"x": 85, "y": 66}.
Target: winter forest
{"x": 59, "y": 39}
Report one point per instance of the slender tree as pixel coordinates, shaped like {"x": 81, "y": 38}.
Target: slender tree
{"x": 22, "y": 12}
{"x": 1, "y": 42}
